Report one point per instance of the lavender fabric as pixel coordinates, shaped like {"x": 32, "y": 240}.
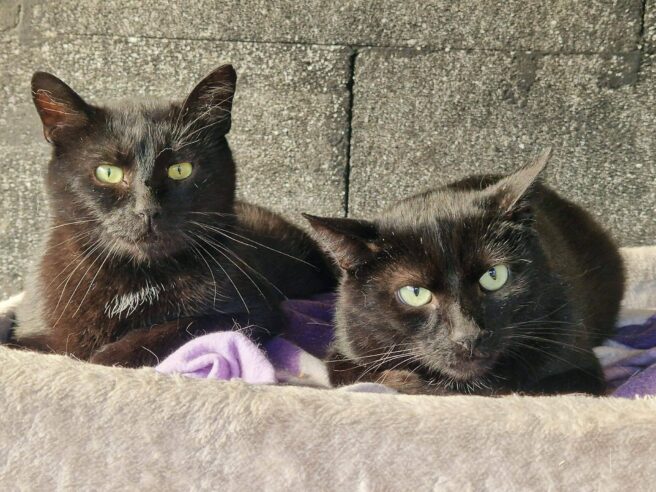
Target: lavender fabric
{"x": 294, "y": 358}
{"x": 630, "y": 369}
{"x": 628, "y": 359}
{"x": 222, "y": 355}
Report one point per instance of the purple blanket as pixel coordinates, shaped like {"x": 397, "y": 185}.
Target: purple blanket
{"x": 294, "y": 358}
{"x": 629, "y": 358}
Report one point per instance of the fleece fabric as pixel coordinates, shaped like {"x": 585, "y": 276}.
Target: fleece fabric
{"x": 69, "y": 425}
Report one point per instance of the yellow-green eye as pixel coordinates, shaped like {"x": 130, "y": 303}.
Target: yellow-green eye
{"x": 414, "y": 296}
{"x": 180, "y": 171}
{"x": 109, "y": 174}
{"x": 494, "y": 278}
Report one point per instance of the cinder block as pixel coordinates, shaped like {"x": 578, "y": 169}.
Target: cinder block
{"x": 290, "y": 118}
{"x": 424, "y": 119}
{"x": 582, "y": 26}
{"x": 650, "y": 25}
{"x": 11, "y": 12}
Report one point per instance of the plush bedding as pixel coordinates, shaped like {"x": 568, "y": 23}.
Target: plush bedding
{"x": 71, "y": 425}
{"x": 628, "y": 358}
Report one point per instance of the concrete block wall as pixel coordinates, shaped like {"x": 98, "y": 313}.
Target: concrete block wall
{"x": 344, "y": 107}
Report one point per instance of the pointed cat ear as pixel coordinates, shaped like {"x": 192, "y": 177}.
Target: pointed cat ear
{"x": 211, "y": 99}
{"x": 511, "y": 193}
{"x": 350, "y": 242}
{"x": 59, "y": 106}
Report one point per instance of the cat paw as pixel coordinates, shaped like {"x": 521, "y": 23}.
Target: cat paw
{"x": 123, "y": 355}
{"x": 410, "y": 383}
{"x": 403, "y": 381}
{"x": 108, "y": 355}
{"x": 8, "y": 316}
{"x": 6, "y": 326}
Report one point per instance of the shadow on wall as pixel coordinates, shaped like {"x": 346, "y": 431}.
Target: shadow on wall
{"x": 352, "y": 109}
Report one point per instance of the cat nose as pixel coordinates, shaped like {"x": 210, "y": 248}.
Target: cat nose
{"x": 149, "y": 218}
{"x": 470, "y": 345}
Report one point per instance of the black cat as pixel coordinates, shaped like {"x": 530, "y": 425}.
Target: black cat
{"x": 147, "y": 245}
{"x": 489, "y": 285}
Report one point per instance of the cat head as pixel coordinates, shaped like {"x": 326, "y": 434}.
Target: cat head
{"x": 437, "y": 281}
{"x": 133, "y": 178}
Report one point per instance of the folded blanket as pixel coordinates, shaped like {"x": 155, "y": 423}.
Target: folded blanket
{"x": 73, "y": 425}
{"x": 629, "y": 358}
{"x": 294, "y": 358}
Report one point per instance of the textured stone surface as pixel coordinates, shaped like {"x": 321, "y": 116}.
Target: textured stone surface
{"x": 423, "y": 119}
{"x": 585, "y": 25}
{"x": 650, "y": 25}
{"x": 464, "y": 87}
{"x": 290, "y": 118}
{"x": 10, "y": 15}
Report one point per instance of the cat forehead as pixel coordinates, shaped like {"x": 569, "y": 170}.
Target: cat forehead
{"x": 435, "y": 255}
{"x": 432, "y": 208}
{"x": 440, "y": 226}
{"x": 135, "y": 123}
{"x": 446, "y": 238}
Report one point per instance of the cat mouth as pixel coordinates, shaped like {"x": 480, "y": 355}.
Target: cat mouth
{"x": 463, "y": 368}
{"x": 468, "y": 367}
{"x": 146, "y": 246}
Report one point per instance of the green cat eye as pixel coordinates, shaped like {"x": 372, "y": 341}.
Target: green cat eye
{"x": 414, "y": 296}
{"x": 495, "y": 278}
{"x": 110, "y": 174}
{"x": 180, "y": 171}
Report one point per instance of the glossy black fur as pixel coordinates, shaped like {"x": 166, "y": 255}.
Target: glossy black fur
{"x": 131, "y": 271}
{"x": 533, "y": 335}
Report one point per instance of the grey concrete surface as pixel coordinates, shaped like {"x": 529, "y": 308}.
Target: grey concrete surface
{"x": 417, "y": 125}
{"x": 10, "y": 15}
{"x": 356, "y": 103}
{"x": 290, "y": 120}
{"x": 650, "y": 25}
{"x": 582, "y": 25}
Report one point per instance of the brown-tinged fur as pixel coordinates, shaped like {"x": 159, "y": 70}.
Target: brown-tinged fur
{"x": 132, "y": 270}
{"x": 535, "y": 334}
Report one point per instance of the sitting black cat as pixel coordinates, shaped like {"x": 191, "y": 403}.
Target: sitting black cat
{"x": 147, "y": 245}
{"x": 489, "y": 285}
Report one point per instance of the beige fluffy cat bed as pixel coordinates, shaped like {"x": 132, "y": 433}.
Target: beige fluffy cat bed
{"x": 70, "y": 425}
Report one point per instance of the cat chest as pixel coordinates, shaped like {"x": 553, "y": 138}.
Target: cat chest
{"x": 107, "y": 309}
{"x": 124, "y": 304}
{"x": 152, "y": 302}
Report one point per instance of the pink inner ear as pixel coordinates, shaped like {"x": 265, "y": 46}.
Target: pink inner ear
{"x": 52, "y": 112}
{"x": 508, "y": 198}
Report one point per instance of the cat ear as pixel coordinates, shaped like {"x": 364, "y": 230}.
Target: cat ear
{"x": 511, "y": 193}
{"x": 59, "y": 106}
{"x": 211, "y": 100}
{"x": 350, "y": 242}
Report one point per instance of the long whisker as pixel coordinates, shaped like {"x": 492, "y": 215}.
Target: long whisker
{"x": 71, "y": 223}
{"x": 226, "y": 274}
{"x": 200, "y": 255}
{"x": 224, "y": 249}
{"x": 110, "y": 253}
{"x": 548, "y": 340}
{"x": 554, "y": 356}
{"x": 229, "y": 234}
{"x": 211, "y": 245}
{"x": 79, "y": 282}
{"x": 64, "y": 282}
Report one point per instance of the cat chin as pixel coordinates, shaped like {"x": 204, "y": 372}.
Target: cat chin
{"x": 463, "y": 370}
{"x": 144, "y": 252}
{"x": 463, "y": 374}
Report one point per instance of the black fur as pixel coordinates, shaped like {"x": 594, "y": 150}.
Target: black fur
{"x": 131, "y": 270}
{"x": 535, "y": 334}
